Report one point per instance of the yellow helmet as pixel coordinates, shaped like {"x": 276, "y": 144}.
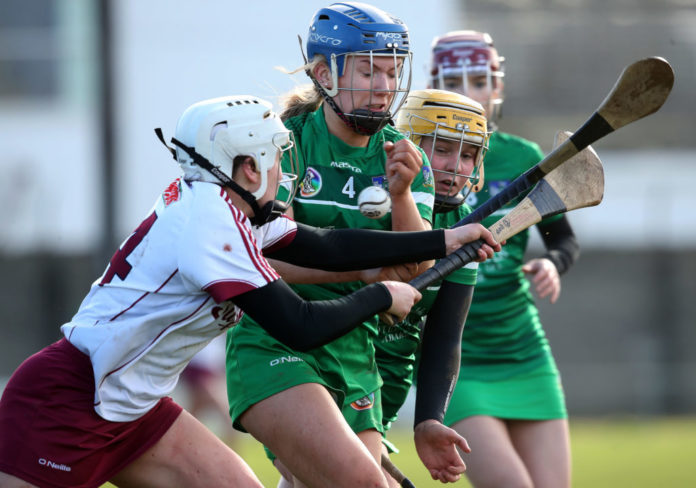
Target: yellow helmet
{"x": 448, "y": 115}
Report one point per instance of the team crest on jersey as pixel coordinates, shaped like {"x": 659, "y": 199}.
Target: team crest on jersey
{"x": 226, "y": 315}
{"x": 172, "y": 193}
{"x": 428, "y": 180}
{"x": 364, "y": 403}
{"x": 380, "y": 181}
{"x": 311, "y": 183}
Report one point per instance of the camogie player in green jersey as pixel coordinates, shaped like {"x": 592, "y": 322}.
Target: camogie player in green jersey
{"x": 303, "y": 404}
{"x": 508, "y": 401}
{"x": 452, "y": 130}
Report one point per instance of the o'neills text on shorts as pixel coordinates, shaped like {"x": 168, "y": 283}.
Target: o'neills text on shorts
{"x": 51, "y": 464}
{"x": 285, "y": 359}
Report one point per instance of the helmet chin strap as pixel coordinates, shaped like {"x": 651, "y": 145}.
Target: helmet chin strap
{"x": 262, "y": 215}
{"x": 362, "y": 121}
{"x": 447, "y": 203}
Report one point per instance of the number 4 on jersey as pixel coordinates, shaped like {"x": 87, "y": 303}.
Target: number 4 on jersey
{"x": 349, "y": 188}
{"x": 118, "y": 266}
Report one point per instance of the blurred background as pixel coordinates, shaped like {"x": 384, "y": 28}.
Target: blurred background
{"x": 84, "y": 82}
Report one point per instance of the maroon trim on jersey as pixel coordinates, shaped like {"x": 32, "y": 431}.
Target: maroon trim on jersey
{"x": 225, "y": 289}
{"x": 284, "y": 241}
{"x": 51, "y": 435}
{"x": 144, "y": 295}
{"x": 260, "y": 263}
{"x": 164, "y": 329}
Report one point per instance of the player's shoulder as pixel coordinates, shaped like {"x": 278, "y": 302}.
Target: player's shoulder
{"x": 297, "y": 124}
{"x": 511, "y": 151}
{"x": 514, "y": 142}
{"x": 209, "y": 201}
{"x": 391, "y": 134}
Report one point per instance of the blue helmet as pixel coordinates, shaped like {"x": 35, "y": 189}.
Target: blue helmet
{"x": 352, "y": 27}
{"x": 357, "y": 29}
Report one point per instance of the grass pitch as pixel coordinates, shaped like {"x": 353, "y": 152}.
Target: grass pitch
{"x": 607, "y": 453}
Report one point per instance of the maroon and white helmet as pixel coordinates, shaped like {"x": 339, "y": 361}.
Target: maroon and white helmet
{"x": 457, "y": 55}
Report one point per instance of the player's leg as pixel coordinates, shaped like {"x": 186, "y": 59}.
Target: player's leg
{"x": 188, "y": 455}
{"x": 493, "y": 461}
{"x": 544, "y": 447}
{"x": 9, "y": 481}
{"x": 390, "y": 479}
{"x": 373, "y": 441}
{"x": 304, "y": 428}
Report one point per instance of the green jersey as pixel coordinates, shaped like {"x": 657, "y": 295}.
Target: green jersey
{"x": 333, "y": 174}
{"x": 503, "y": 335}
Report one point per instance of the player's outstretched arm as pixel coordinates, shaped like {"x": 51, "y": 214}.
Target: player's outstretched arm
{"x": 354, "y": 249}
{"x": 304, "y": 325}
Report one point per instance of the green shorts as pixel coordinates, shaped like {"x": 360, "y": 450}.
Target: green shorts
{"x": 258, "y": 366}
{"x": 533, "y": 395}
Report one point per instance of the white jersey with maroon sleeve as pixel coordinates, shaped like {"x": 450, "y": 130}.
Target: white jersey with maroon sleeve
{"x": 164, "y": 294}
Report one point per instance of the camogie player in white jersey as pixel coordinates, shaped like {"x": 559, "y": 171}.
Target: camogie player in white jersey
{"x": 95, "y": 406}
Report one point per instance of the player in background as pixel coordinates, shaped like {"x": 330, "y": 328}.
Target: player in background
{"x": 95, "y": 405}
{"x": 359, "y": 65}
{"x": 508, "y": 401}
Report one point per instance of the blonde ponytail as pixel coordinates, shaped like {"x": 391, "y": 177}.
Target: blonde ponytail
{"x": 304, "y": 98}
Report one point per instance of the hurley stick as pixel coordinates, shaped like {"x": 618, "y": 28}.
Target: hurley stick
{"x": 576, "y": 184}
{"x": 641, "y": 90}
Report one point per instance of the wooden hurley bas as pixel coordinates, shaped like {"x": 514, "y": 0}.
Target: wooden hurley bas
{"x": 641, "y": 90}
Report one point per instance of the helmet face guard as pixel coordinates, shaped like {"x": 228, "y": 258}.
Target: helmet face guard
{"x": 439, "y": 115}
{"x": 347, "y": 33}
{"x": 366, "y": 121}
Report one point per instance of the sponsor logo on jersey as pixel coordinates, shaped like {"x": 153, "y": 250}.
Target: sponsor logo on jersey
{"x": 314, "y": 37}
{"x": 364, "y": 403}
{"x": 285, "y": 359}
{"x": 52, "y": 465}
{"x": 172, "y": 193}
{"x": 226, "y": 315}
{"x": 345, "y": 165}
{"x": 311, "y": 183}
{"x": 428, "y": 180}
